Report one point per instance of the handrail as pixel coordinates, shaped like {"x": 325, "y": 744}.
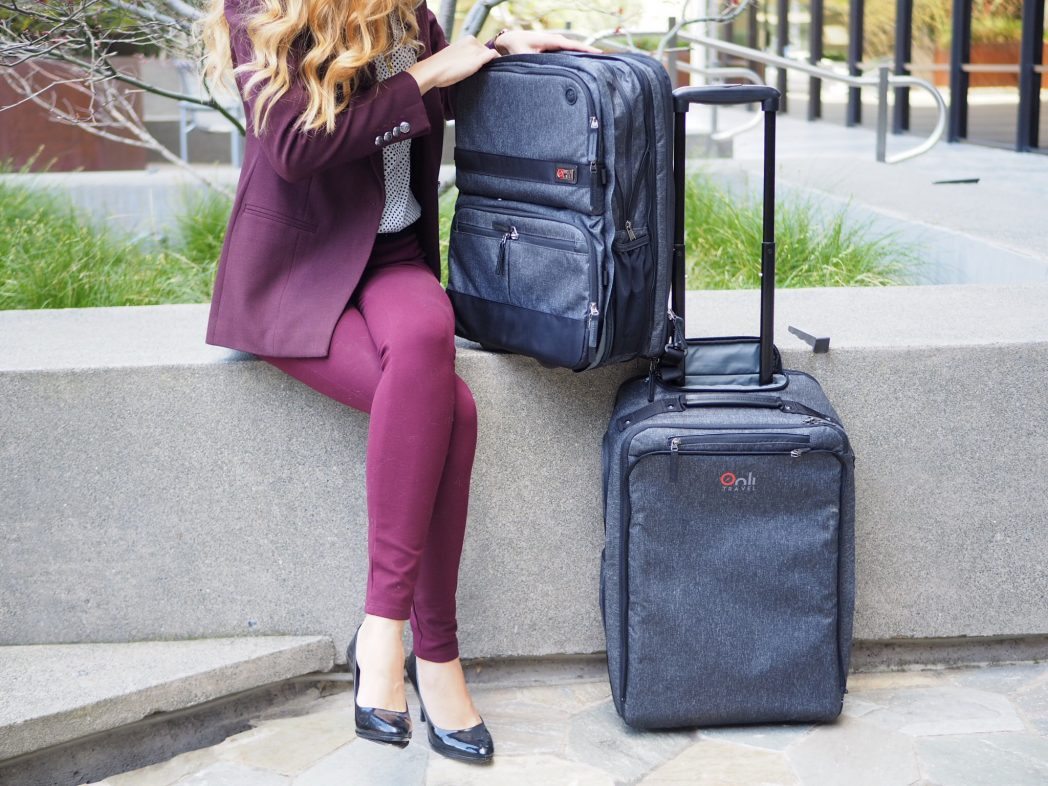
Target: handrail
{"x": 884, "y": 80}
{"x": 723, "y": 72}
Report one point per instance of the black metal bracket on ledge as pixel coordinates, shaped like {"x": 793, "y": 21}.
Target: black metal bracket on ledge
{"x": 818, "y": 345}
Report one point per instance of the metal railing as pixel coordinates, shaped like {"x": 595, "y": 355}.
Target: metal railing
{"x": 884, "y": 81}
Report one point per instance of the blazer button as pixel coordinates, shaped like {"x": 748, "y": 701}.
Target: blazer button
{"x": 396, "y": 131}
{"x": 405, "y": 126}
{"x": 388, "y": 136}
{"x": 378, "y": 140}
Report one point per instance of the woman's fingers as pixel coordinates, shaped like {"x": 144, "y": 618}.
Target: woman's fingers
{"x": 462, "y": 59}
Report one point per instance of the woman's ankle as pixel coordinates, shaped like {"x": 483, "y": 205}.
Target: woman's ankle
{"x": 381, "y": 624}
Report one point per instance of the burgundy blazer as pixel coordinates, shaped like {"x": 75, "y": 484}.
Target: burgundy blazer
{"x": 307, "y": 206}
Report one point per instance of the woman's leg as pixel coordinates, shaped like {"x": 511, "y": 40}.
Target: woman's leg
{"x": 412, "y": 542}
{"x": 433, "y": 620}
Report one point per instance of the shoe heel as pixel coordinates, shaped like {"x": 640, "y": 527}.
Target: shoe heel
{"x": 379, "y": 725}
{"x": 422, "y": 713}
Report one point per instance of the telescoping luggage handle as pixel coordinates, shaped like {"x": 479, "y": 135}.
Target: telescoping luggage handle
{"x": 768, "y": 97}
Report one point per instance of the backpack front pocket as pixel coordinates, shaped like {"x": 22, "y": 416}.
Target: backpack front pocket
{"x": 526, "y": 283}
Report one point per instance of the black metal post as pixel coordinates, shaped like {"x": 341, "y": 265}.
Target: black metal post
{"x": 960, "y": 54}
{"x": 1031, "y": 55}
{"x": 856, "y": 10}
{"x": 680, "y": 158}
{"x": 782, "y": 34}
{"x": 903, "y": 55}
{"x": 815, "y": 45}
{"x": 767, "y": 335}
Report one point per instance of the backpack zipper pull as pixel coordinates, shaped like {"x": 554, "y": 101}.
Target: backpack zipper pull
{"x": 798, "y": 452}
{"x": 593, "y": 122}
{"x": 509, "y": 233}
{"x": 629, "y": 230}
{"x": 591, "y": 324}
{"x": 675, "y": 452}
{"x": 596, "y": 168}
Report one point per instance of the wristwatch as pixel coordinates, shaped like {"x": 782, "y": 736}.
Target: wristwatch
{"x": 495, "y": 40}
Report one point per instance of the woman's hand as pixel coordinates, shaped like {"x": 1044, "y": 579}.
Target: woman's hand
{"x": 451, "y": 64}
{"x": 519, "y": 42}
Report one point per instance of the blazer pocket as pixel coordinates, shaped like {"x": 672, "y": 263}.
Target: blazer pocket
{"x": 272, "y": 215}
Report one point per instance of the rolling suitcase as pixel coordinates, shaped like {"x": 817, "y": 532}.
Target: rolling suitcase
{"x": 559, "y": 239}
{"x": 726, "y": 578}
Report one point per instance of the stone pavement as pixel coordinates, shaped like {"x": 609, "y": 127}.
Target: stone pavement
{"x": 974, "y": 726}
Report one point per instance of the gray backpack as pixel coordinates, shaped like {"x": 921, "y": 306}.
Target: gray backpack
{"x": 727, "y": 574}
{"x": 559, "y": 242}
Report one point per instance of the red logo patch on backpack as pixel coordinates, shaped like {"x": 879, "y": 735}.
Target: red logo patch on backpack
{"x": 565, "y": 174}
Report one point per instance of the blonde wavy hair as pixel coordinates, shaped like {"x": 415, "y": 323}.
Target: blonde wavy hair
{"x": 340, "y": 36}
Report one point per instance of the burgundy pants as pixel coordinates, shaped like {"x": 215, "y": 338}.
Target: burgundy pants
{"x": 392, "y": 355}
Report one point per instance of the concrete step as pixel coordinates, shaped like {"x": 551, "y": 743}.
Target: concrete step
{"x": 55, "y": 693}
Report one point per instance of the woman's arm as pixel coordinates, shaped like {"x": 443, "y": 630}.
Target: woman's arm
{"x": 438, "y": 41}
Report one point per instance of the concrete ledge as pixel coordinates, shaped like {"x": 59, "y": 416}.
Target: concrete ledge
{"x": 226, "y": 498}
{"x": 55, "y": 693}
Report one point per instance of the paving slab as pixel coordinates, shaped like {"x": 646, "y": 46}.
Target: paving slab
{"x": 599, "y": 738}
{"x": 852, "y": 752}
{"x": 516, "y": 771}
{"x": 59, "y": 692}
{"x": 1033, "y": 706}
{"x": 1002, "y": 679}
{"x": 720, "y": 763}
{"x": 366, "y": 763}
{"x": 993, "y": 760}
{"x": 940, "y": 711}
{"x": 226, "y": 773}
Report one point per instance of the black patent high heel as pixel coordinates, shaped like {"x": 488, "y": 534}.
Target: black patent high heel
{"x": 472, "y": 745}
{"x": 376, "y": 723}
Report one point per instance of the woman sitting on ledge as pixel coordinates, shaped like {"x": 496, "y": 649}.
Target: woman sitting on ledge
{"x": 330, "y": 271}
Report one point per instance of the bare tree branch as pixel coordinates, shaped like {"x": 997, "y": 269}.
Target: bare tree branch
{"x": 71, "y": 44}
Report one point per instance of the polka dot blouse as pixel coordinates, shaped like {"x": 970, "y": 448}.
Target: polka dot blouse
{"x": 401, "y": 207}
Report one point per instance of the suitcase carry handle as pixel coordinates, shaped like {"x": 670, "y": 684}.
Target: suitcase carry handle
{"x": 691, "y": 400}
{"x": 720, "y": 95}
{"x": 726, "y": 95}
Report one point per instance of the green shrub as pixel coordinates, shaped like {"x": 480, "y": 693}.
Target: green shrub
{"x": 54, "y": 256}
{"x": 723, "y": 241}
{"x": 202, "y": 226}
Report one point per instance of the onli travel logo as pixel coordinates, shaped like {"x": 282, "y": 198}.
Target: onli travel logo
{"x": 732, "y": 482}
